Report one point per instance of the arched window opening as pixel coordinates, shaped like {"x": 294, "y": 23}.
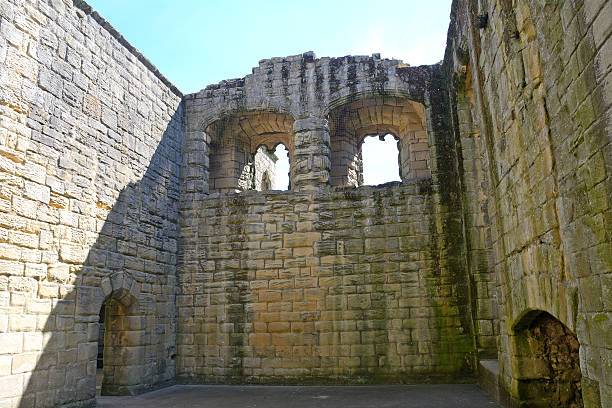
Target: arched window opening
{"x": 263, "y": 169}
{"x": 281, "y": 180}
{"x": 241, "y": 151}
{"x": 270, "y": 168}
{"x": 548, "y": 362}
{"x": 380, "y": 160}
{"x": 350, "y": 123}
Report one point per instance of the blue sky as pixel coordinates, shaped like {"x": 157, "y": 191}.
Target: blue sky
{"x": 199, "y": 42}
{"x": 195, "y": 43}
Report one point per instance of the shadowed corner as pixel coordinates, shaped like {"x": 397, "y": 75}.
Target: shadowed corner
{"x": 129, "y": 273}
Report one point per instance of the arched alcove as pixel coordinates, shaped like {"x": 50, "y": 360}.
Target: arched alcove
{"x": 547, "y": 362}
{"x": 401, "y": 117}
{"x": 123, "y": 328}
{"x": 242, "y": 148}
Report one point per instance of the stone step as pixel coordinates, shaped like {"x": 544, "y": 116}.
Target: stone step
{"x": 488, "y": 377}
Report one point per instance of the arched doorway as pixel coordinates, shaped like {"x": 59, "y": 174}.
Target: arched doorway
{"x": 121, "y": 345}
{"x": 100, "y": 357}
{"x": 547, "y": 362}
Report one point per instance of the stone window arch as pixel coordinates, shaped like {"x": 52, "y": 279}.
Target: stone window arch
{"x": 235, "y": 143}
{"x": 378, "y": 115}
{"x": 266, "y": 182}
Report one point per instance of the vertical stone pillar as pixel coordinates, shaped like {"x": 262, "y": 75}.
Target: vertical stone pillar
{"x": 195, "y": 166}
{"x": 311, "y": 154}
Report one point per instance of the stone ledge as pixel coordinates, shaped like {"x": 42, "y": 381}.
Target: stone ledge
{"x": 488, "y": 380}
{"x": 335, "y": 380}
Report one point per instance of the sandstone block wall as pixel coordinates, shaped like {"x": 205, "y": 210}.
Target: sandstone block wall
{"x": 343, "y": 286}
{"x": 502, "y": 251}
{"x": 533, "y": 108}
{"x": 311, "y": 285}
{"x": 90, "y": 139}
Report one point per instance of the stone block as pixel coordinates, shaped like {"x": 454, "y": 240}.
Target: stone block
{"x": 36, "y": 270}
{"x": 5, "y": 365}
{"x": 11, "y": 386}
{"x": 22, "y": 284}
{"x": 38, "y": 192}
{"x": 89, "y": 351}
{"x": 32, "y": 341}
{"x": 301, "y": 239}
{"x": 24, "y": 207}
{"x": 270, "y": 296}
{"x": 260, "y": 339}
{"x": 58, "y": 272}
{"x": 278, "y": 327}
{"x": 361, "y": 301}
{"x": 129, "y": 375}
{"x": 11, "y": 343}
{"x": 48, "y": 290}
{"x": 22, "y": 322}
{"x": 23, "y": 363}
{"x": 12, "y": 268}
{"x": 73, "y": 253}
{"x": 284, "y": 339}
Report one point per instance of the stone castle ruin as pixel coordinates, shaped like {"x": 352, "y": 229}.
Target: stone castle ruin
{"x": 140, "y": 241}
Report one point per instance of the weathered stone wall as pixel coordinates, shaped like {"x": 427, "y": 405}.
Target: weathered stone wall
{"x": 342, "y": 286}
{"x": 103, "y": 197}
{"x": 227, "y": 120}
{"x": 533, "y": 114}
{"x": 311, "y": 285}
{"x": 90, "y": 137}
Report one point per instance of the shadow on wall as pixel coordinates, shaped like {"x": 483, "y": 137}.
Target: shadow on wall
{"x": 130, "y": 268}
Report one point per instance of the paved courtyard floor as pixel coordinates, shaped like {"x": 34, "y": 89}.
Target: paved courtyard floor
{"x": 384, "y": 396}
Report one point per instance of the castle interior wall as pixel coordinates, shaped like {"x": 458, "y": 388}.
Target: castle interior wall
{"x": 90, "y": 140}
{"x": 532, "y": 100}
{"x": 496, "y": 247}
{"x": 339, "y": 287}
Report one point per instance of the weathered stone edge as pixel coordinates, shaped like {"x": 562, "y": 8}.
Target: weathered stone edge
{"x": 87, "y": 9}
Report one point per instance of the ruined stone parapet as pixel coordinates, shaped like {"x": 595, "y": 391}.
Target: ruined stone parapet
{"x": 356, "y": 95}
{"x": 304, "y": 86}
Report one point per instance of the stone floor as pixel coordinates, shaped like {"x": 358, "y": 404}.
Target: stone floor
{"x": 388, "y": 396}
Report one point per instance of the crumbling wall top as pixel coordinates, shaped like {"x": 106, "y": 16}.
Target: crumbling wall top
{"x": 306, "y": 86}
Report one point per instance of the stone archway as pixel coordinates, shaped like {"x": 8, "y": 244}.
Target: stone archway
{"x": 547, "y": 362}
{"x": 123, "y": 344}
{"x": 235, "y": 141}
{"x": 352, "y": 122}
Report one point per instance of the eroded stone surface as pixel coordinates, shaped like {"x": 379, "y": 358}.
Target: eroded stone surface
{"x": 115, "y": 187}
